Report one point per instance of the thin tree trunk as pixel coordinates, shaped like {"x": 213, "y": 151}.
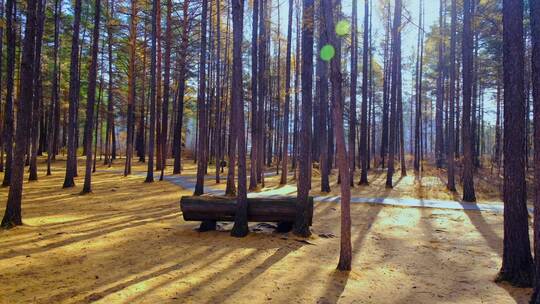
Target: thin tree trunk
{"x": 352, "y": 101}
{"x": 201, "y": 106}
{"x": 181, "y": 90}
{"x": 322, "y": 70}
{"x": 71, "y": 169}
{"x": 166, "y": 89}
{"x": 131, "y": 87}
{"x": 450, "y": 140}
{"x": 92, "y": 75}
{"x": 301, "y": 227}
{"x": 394, "y": 98}
{"x": 440, "y": 95}
{"x": 38, "y": 92}
{"x": 152, "y": 135}
{"x": 54, "y": 120}
{"x": 285, "y": 151}
{"x": 345, "y": 255}
{"x": 240, "y": 227}
{"x": 364, "y": 149}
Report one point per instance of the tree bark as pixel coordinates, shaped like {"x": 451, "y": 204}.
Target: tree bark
{"x": 38, "y": 92}
{"x": 364, "y": 122}
{"x": 322, "y": 70}
{"x": 394, "y": 98}
{"x": 71, "y": 169}
{"x": 345, "y": 254}
{"x": 467, "y": 44}
{"x": 201, "y": 106}
{"x": 452, "y": 96}
{"x": 517, "y": 260}
{"x": 131, "y": 87}
{"x": 240, "y": 227}
{"x": 152, "y": 127}
{"x": 12, "y": 216}
{"x": 535, "y": 65}
{"x": 352, "y": 101}
{"x": 54, "y": 109}
{"x": 92, "y": 77}
{"x": 301, "y": 228}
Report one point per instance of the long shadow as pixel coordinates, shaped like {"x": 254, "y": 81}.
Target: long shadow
{"x": 121, "y": 226}
{"x": 433, "y": 258}
{"x": 154, "y": 274}
{"x": 120, "y": 217}
{"x": 244, "y": 280}
{"x": 335, "y": 287}
{"x": 204, "y": 282}
{"x": 477, "y": 219}
{"x": 492, "y": 239}
{"x": 339, "y": 279}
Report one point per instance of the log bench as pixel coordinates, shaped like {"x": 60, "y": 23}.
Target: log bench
{"x": 212, "y": 209}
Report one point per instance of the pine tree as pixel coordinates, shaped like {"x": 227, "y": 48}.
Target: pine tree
{"x": 12, "y": 216}
{"x": 517, "y": 260}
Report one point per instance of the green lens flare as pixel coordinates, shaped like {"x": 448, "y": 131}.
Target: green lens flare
{"x": 343, "y": 28}
{"x": 327, "y": 52}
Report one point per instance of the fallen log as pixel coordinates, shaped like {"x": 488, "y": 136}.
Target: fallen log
{"x": 210, "y": 209}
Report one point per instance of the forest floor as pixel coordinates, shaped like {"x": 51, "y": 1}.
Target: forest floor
{"x": 127, "y": 243}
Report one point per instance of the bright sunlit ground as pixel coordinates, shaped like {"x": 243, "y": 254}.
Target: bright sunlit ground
{"x": 127, "y": 243}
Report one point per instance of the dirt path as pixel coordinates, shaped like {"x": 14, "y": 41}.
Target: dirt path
{"x": 188, "y": 182}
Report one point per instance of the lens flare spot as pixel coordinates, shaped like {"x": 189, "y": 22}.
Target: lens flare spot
{"x": 343, "y": 28}
{"x": 327, "y": 52}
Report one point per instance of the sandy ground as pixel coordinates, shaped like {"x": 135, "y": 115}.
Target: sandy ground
{"x": 127, "y": 243}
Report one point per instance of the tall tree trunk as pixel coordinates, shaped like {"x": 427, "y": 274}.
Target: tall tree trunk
{"x": 517, "y": 260}
{"x": 140, "y": 144}
{"x": 345, "y": 254}
{"x": 296, "y": 90}
{"x": 467, "y": 45}
{"x": 181, "y": 90}
{"x": 218, "y": 115}
{"x": 301, "y": 227}
{"x": 166, "y": 89}
{"x": 535, "y": 56}
{"x": 394, "y": 98}
{"x": 2, "y": 144}
{"x": 419, "y": 92}
{"x": 12, "y": 216}
{"x": 497, "y": 160}
{"x": 452, "y": 97}
{"x": 322, "y": 70}
{"x": 263, "y": 79}
{"x": 92, "y": 76}
{"x": 201, "y": 106}
{"x": 364, "y": 149}
{"x": 71, "y": 169}
{"x": 110, "y": 102}
{"x": 285, "y": 151}
{"x": 8, "y": 110}
{"x": 352, "y": 101}
{"x": 159, "y": 92}
{"x": 152, "y": 134}
{"x": 131, "y": 87}
{"x": 38, "y": 92}
{"x": 386, "y": 87}
{"x": 439, "y": 141}
{"x": 240, "y": 227}
{"x": 54, "y": 109}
